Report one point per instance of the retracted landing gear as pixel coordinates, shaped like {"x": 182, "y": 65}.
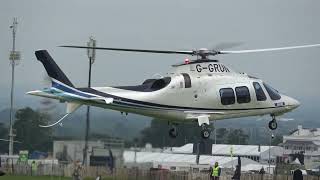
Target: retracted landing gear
{"x": 173, "y": 132}
{"x": 273, "y": 123}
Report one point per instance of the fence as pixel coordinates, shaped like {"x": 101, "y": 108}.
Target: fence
{"x": 134, "y": 173}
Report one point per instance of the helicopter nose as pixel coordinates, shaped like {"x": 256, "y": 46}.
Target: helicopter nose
{"x": 293, "y": 103}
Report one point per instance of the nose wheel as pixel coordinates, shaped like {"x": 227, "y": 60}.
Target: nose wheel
{"x": 273, "y": 123}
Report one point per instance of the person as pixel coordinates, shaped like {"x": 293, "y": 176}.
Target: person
{"x": 262, "y": 172}
{"x": 215, "y": 172}
{"x": 297, "y": 175}
{"x": 34, "y": 168}
{"x": 237, "y": 173}
{"x": 77, "y": 171}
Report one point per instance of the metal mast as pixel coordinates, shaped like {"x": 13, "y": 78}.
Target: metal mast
{"x": 14, "y": 59}
{"x": 92, "y": 56}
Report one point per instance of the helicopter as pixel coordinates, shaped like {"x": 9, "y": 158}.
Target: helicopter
{"x": 195, "y": 91}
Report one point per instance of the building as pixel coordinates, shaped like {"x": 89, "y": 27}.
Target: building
{"x": 186, "y": 162}
{"x": 304, "y": 141}
{"x": 99, "y": 152}
{"x": 255, "y": 152}
{"x": 184, "y": 158}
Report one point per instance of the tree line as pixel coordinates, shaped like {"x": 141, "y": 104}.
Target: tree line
{"x": 33, "y": 137}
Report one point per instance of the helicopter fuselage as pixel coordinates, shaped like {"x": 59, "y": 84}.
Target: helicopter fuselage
{"x": 196, "y": 89}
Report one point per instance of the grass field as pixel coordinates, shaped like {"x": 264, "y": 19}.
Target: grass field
{"x": 38, "y": 178}
{"x": 34, "y": 178}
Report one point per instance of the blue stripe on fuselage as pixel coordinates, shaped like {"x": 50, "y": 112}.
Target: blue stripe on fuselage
{"x": 69, "y": 90}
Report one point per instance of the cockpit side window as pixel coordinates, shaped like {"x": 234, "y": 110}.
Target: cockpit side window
{"x": 227, "y": 96}
{"x": 274, "y": 95}
{"x": 259, "y": 92}
{"x": 160, "y": 83}
{"x": 187, "y": 80}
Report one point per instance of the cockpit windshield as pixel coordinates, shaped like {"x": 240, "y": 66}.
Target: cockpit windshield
{"x": 274, "y": 94}
{"x": 148, "y": 85}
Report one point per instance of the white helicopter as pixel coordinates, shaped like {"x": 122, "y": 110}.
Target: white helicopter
{"x": 200, "y": 90}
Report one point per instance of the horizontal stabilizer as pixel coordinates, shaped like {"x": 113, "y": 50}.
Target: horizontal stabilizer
{"x": 43, "y": 94}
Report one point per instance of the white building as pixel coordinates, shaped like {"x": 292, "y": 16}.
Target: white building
{"x": 254, "y": 152}
{"x": 253, "y": 157}
{"x": 306, "y": 141}
{"x": 185, "y": 162}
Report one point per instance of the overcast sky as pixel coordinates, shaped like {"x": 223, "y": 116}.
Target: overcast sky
{"x": 162, "y": 24}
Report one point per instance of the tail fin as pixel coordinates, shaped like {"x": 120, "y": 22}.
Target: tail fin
{"x": 52, "y": 68}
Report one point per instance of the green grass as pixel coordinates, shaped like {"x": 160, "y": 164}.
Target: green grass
{"x": 34, "y": 178}
{"x": 41, "y": 178}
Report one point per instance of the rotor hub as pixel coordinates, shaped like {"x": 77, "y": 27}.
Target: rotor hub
{"x": 204, "y": 53}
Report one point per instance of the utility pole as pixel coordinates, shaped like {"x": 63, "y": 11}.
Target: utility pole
{"x": 215, "y": 132}
{"x": 14, "y": 60}
{"x": 271, "y": 137}
{"x": 92, "y": 56}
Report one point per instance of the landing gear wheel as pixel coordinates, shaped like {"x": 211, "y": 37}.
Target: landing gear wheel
{"x": 273, "y": 124}
{"x": 173, "y": 133}
{"x": 205, "y": 132}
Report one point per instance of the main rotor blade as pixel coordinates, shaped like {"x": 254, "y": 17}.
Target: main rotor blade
{"x": 268, "y": 49}
{"x": 226, "y": 45}
{"x": 134, "y": 50}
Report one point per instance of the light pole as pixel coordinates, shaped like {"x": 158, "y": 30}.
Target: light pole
{"x": 14, "y": 59}
{"x": 92, "y": 56}
{"x": 215, "y": 132}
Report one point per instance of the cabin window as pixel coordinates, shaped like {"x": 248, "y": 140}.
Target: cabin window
{"x": 187, "y": 80}
{"x": 227, "y": 96}
{"x": 243, "y": 94}
{"x": 259, "y": 92}
{"x": 274, "y": 95}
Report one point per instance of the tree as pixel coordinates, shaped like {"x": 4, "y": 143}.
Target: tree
{"x": 29, "y": 133}
{"x": 277, "y": 140}
{"x": 222, "y": 134}
{"x": 237, "y": 136}
{"x": 157, "y": 134}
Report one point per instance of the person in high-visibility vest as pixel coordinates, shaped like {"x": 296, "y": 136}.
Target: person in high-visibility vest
{"x": 34, "y": 168}
{"x": 215, "y": 172}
